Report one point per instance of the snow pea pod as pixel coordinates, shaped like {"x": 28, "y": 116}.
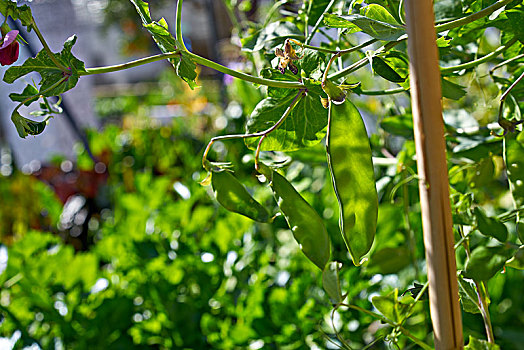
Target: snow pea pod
{"x": 351, "y": 168}
{"x": 307, "y": 226}
{"x": 233, "y": 196}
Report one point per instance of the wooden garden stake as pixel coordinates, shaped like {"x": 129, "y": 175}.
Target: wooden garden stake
{"x": 432, "y": 169}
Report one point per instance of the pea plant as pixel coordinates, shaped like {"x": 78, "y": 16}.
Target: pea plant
{"x": 315, "y": 61}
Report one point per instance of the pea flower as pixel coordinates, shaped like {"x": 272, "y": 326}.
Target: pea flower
{"x": 9, "y": 49}
{"x": 286, "y": 58}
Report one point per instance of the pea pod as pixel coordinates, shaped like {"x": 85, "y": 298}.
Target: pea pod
{"x": 307, "y": 226}
{"x": 351, "y": 168}
{"x": 233, "y": 196}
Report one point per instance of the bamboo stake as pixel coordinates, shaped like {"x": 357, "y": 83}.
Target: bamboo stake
{"x": 432, "y": 168}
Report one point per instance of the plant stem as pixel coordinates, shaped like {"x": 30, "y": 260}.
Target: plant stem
{"x": 277, "y": 124}
{"x": 501, "y": 64}
{"x": 383, "y": 92}
{"x": 483, "y": 59}
{"x": 505, "y": 94}
{"x": 331, "y": 60}
{"x": 41, "y": 93}
{"x": 439, "y": 28}
{"x": 410, "y": 234}
{"x": 256, "y": 134}
{"x": 355, "y": 66}
{"x": 358, "y": 47}
{"x": 412, "y": 305}
{"x": 473, "y": 17}
{"x": 319, "y": 21}
{"x": 483, "y": 299}
{"x": 135, "y": 63}
{"x": 481, "y": 293}
{"x": 415, "y": 339}
{"x": 231, "y": 15}
{"x": 178, "y": 32}
{"x": 342, "y": 52}
{"x": 506, "y": 124}
{"x": 197, "y": 59}
{"x": 46, "y": 47}
{"x": 272, "y": 10}
{"x": 370, "y": 313}
{"x": 392, "y": 324}
{"x": 364, "y": 61}
{"x": 257, "y": 80}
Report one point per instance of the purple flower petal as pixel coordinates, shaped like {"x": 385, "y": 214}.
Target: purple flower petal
{"x": 9, "y": 38}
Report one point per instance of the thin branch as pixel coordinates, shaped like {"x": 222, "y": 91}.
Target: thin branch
{"x": 478, "y": 61}
{"x": 131, "y": 64}
{"x": 256, "y": 134}
{"x": 501, "y": 64}
{"x": 46, "y": 47}
{"x": 178, "y": 33}
{"x": 319, "y": 21}
{"x": 199, "y": 60}
{"x": 473, "y": 17}
{"x": 41, "y": 93}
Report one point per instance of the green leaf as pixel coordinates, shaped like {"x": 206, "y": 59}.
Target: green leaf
{"x": 515, "y": 19}
{"x": 401, "y": 125}
{"x": 490, "y": 227}
{"x": 331, "y": 282}
{"x": 375, "y": 28}
{"x": 477, "y": 344}
{"x": 517, "y": 261}
{"x": 378, "y": 13}
{"x": 142, "y": 8}
{"x": 468, "y": 295}
{"x": 185, "y": 69}
{"x": 451, "y": 90}
{"x": 184, "y": 65}
{"x": 23, "y": 13}
{"x": 381, "y": 68}
{"x": 351, "y": 168}
{"x": 29, "y": 92}
{"x": 388, "y": 260}
{"x": 163, "y": 38}
{"x": 304, "y": 127}
{"x": 315, "y": 9}
{"x": 271, "y": 36}
{"x": 447, "y": 9}
{"x": 485, "y": 262}
{"x": 482, "y": 173}
{"x": 443, "y": 41}
{"x": 389, "y": 306}
{"x": 278, "y": 93}
{"x": 49, "y": 72}
{"x": 336, "y": 21}
{"x": 26, "y": 126}
{"x": 312, "y": 64}
{"x": 415, "y": 291}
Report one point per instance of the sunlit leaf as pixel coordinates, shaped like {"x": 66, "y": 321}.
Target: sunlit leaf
{"x": 304, "y": 127}
{"x": 485, "y": 262}
{"x": 468, "y": 295}
{"x": 479, "y": 344}
{"x": 489, "y": 226}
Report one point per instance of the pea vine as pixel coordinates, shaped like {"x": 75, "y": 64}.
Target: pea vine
{"x": 311, "y": 95}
